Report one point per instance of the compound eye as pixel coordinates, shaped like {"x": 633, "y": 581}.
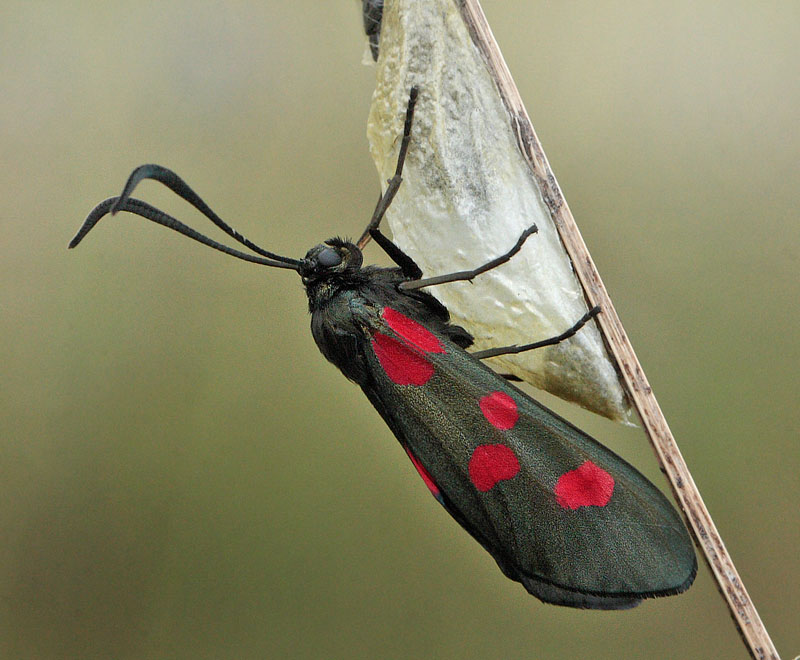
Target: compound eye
{"x": 328, "y": 258}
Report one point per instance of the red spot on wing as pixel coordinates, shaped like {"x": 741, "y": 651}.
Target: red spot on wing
{"x": 402, "y": 364}
{"x": 500, "y": 410}
{"x": 411, "y": 331}
{"x": 588, "y": 485}
{"x": 490, "y": 464}
{"x": 426, "y": 477}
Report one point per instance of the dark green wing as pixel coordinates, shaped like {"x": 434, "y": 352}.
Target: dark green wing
{"x": 560, "y": 513}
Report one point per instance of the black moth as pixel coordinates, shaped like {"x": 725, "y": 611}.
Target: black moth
{"x": 560, "y": 513}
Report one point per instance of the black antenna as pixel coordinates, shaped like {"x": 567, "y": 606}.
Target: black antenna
{"x": 172, "y": 181}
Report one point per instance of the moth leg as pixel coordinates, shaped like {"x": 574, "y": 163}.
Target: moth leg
{"x": 406, "y": 263}
{"x": 510, "y": 350}
{"x": 470, "y": 274}
{"x": 397, "y": 179}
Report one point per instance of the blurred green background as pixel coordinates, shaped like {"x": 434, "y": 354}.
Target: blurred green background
{"x": 182, "y": 475}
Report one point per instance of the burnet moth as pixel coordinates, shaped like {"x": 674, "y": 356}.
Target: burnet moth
{"x": 560, "y": 513}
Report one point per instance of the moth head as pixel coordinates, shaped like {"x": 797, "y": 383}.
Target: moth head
{"x": 329, "y": 259}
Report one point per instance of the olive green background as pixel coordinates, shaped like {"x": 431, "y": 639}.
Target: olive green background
{"x": 183, "y": 476}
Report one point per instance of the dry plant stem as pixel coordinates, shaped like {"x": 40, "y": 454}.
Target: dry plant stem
{"x": 752, "y": 630}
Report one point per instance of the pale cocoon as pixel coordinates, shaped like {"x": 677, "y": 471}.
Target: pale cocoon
{"x": 467, "y": 195}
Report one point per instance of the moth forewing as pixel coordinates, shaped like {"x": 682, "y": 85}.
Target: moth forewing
{"x": 558, "y": 511}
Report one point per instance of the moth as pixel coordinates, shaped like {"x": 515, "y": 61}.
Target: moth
{"x": 560, "y": 513}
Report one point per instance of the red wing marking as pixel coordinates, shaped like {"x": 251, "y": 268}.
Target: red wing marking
{"x": 490, "y": 464}
{"x": 402, "y": 364}
{"x": 403, "y": 361}
{"x": 412, "y": 332}
{"x": 588, "y": 485}
{"x": 500, "y": 410}
{"x": 426, "y": 477}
